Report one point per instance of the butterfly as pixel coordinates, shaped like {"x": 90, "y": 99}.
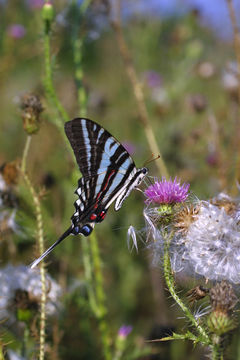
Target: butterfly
{"x": 108, "y": 175}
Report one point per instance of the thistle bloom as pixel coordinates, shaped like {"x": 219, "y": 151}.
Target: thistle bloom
{"x": 167, "y": 192}
{"x": 35, "y": 4}
{"x": 16, "y": 31}
{"x": 153, "y": 79}
{"x": 124, "y": 331}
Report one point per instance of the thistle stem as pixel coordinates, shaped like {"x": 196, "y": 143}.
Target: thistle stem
{"x": 171, "y": 287}
{"x": 49, "y": 87}
{"x": 25, "y": 153}
{"x": 77, "y": 56}
{"x": 40, "y": 240}
{"x": 217, "y": 352}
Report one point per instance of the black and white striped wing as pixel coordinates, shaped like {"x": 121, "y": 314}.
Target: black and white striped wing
{"x": 109, "y": 172}
{"x": 95, "y": 148}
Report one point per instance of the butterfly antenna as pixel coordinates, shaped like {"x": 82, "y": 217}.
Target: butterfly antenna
{"x": 151, "y": 159}
{"x": 64, "y": 235}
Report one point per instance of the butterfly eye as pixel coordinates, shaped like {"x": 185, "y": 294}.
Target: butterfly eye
{"x": 86, "y": 230}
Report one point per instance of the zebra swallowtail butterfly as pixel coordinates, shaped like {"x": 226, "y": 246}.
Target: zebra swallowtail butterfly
{"x": 108, "y": 174}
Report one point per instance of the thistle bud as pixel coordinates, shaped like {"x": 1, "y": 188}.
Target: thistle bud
{"x": 220, "y": 323}
{"x": 48, "y": 12}
{"x": 223, "y": 300}
{"x": 31, "y": 110}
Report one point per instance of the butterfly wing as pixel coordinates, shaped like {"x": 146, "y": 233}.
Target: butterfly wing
{"x": 95, "y": 148}
{"x": 104, "y": 163}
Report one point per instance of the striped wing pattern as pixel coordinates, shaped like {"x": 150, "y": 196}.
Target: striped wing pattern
{"x": 109, "y": 172}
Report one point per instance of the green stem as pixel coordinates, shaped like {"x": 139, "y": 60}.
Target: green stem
{"x": 40, "y": 240}
{"x": 88, "y": 274}
{"x": 171, "y": 287}
{"x": 25, "y": 341}
{"x": 77, "y": 55}
{"x": 25, "y": 153}
{"x": 1, "y": 352}
{"x": 100, "y": 296}
{"x": 217, "y": 349}
{"x": 81, "y": 93}
{"x": 49, "y": 87}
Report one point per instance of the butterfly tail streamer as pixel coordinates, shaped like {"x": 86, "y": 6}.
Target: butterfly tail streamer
{"x": 64, "y": 235}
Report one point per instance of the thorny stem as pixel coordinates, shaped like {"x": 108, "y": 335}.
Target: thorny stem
{"x": 236, "y": 38}
{"x": 49, "y": 87}
{"x": 25, "y": 153}
{"x": 40, "y": 239}
{"x": 77, "y": 56}
{"x": 137, "y": 89}
{"x": 168, "y": 275}
{"x": 217, "y": 352}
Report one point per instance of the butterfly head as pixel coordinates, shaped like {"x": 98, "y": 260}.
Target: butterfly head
{"x": 141, "y": 174}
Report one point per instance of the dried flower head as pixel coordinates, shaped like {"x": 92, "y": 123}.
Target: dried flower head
{"x": 184, "y": 218}
{"x": 198, "y": 102}
{"x": 8, "y": 224}
{"x": 223, "y": 300}
{"x": 22, "y": 286}
{"x": 8, "y": 200}
{"x": 225, "y": 202}
{"x": 31, "y": 110}
{"x": 212, "y": 244}
{"x": 9, "y": 174}
{"x": 166, "y": 192}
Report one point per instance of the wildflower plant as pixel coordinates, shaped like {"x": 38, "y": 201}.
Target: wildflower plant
{"x": 201, "y": 239}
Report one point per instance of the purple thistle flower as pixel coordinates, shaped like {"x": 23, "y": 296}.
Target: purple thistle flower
{"x": 131, "y": 148}
{"x": 35, "y": 4}
{"x": 124, "y": 331}
{"x": 16, "y": 31}
{"x": 167, "y": 192}
{"x": 152, "y": 79}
